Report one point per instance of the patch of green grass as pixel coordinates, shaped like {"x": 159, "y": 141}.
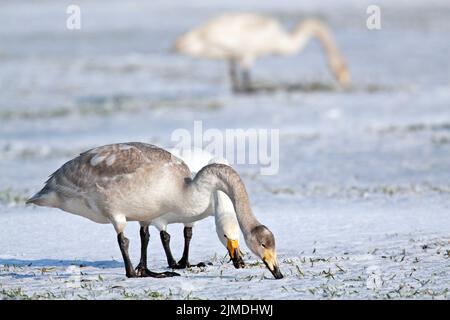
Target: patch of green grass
{"x": 156, "y": 295}
{"x": 109, "y": 106}
{"x": 276, "y": 191}
{"x": 14, "y": 293}
{"x": 440, "y": 140}
{"x": 129, "y": 295}
{"x": 300, "y": 272}
{"x": 190, "y": 296}
{"x": 9, "y": 196}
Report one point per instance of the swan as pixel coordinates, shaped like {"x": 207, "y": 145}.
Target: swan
{"x": 135, "y": 181}
{"x": 241, "y": 38}
{"x": 227, "y": 228}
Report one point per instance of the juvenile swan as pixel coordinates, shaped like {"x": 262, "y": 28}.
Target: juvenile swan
{"x": 241, "y": 38}
{"x": 227, "y": 227}
{"x": 139, "y": 182}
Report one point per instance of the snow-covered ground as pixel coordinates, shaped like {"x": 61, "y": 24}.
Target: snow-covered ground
{"x": 360, "y": 206}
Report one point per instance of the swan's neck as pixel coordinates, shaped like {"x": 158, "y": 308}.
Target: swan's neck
{"x": 223, "y": 203}
{"x": 221, "y": 177}
{"x": 306, "y": 30}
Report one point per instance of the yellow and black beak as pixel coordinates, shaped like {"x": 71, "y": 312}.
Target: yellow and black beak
{"x": 271, "y": 262}
{"x": 235, "y": 253}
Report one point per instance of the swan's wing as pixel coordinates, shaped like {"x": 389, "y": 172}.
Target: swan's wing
{"x": 231, "y": 36}
{"x": 91, "y": 169}
{"x": 97, "y": 167}
{"x": 247, "y": 30}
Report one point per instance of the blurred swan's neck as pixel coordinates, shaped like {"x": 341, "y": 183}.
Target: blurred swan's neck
{"x": 302, "y": 34}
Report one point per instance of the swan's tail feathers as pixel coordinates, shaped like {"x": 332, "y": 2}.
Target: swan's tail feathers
{"x": 46, "y": 198}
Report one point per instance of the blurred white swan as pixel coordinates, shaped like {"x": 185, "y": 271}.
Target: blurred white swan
{"x": 241, "y": 38}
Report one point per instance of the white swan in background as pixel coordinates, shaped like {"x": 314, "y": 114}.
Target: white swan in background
{"x": 221, "y": 208}
{"x": 241, "y": 38}
{"x": 135, "y": 181}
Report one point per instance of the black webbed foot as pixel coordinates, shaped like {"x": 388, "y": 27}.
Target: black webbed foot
{"x": 182, "y": 264}
{"x": 185, "y": 264}
{"x": 132, "y": 275}
{"x": 143, "y": 272}
{"x": 166, "y": 274}
{"x": 173, "y": 265}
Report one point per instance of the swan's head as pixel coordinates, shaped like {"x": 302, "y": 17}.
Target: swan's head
{"x": 226, "y": 222}
{"x": 262, "y": 243}
{"x": 341, "y": 72}
{"x": 189, "y": 44}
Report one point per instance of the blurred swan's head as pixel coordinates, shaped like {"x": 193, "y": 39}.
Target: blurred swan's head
{"x": 189, "y": 44}
{"x": 343, "y": 76}
{"x": 340, "y": 71}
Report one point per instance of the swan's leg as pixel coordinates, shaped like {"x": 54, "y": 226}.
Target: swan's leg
{"x": 233, "y": 75}
{"x": 123, "y": 244}
{"x": 165, "y": 239}
{"x": 119, "y": 222}
{"x": 246, "y": 80}
{"x": 142, "y": 270}
{"x": 184, "y": 262}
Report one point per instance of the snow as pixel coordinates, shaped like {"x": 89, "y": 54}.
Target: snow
{"x": 359, "y": 208}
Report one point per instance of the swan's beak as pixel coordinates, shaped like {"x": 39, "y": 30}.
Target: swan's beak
{"x": 343, "y": 75}
{"x": 344, "y": 78}
{"x": 235, "y": 253}
{"x": 271, "y": 262}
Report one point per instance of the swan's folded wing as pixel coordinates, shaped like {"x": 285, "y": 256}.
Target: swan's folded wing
{"x": 98, "y": 167}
